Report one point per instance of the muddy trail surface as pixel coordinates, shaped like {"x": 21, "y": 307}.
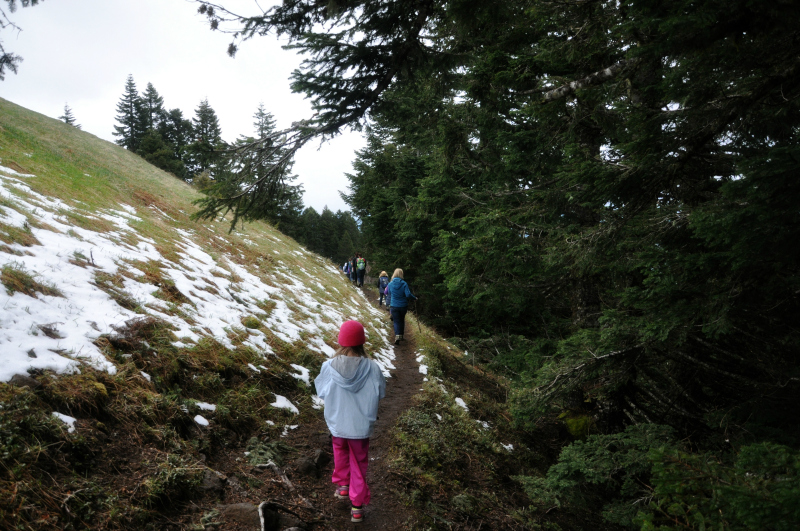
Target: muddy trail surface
{"x": 385, "y": 511}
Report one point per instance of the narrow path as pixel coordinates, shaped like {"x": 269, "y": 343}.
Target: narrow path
{"x": 385, "y": 511}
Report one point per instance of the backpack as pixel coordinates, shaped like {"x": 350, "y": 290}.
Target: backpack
{"x": 361, "y": 263}
{"x": 383, "y": 282}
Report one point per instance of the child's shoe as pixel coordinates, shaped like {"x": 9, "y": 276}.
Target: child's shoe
{"x": 357, "y": 514}
{"x": 342, "y": 492}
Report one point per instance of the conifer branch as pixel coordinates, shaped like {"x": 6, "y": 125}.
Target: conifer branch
{"x": 596, "y": 78}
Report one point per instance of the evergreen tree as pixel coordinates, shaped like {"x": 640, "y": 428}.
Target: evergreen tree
{"x": 129, "y": 112}
{"x": 151, "y": 109}
{"x": 159, "y": 153}
{"x": 264, "y": 123}
{"x": 178, "y": 133}
{"x": 68, "y": 117}
{"x": 268, "y": 169}
{"x": 204, "y": 155}
{"x": 345, "y": 248}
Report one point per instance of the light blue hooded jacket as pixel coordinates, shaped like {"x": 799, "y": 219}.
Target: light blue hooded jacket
{"x": 351, "y": 388}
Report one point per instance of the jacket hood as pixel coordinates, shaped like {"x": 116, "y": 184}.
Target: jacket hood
{"x": 349, "y": 372}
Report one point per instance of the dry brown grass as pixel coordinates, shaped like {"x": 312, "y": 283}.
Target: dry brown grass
{"x": 17, "y": 280}
{"x": 20, "y": 235}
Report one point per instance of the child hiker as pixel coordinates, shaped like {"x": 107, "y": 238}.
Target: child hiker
{"x": 383, "y": 281}
{"x": 351, "y": 385}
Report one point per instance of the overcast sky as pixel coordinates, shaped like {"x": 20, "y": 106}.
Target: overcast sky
{"x": 80, "y": 52}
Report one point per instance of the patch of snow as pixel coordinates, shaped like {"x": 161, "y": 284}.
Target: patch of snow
{"x": 206, "y": 406}
{"x": 253, "y": 367}
{"x": 200, "y": 419}
{"x": 284, "y": 403}
{"x": 303, "y": 374}
{"x": 509, "y": 447}
{"x": 287, "y": 428}
{"x": 423, "y": 369}
{"x": 145, "y": 375}
{"x": 462, "y": 404}
{"x": 317, "y": 402}
{"x": 66, "y": 419}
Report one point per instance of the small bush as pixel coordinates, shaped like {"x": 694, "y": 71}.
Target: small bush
{"x": 251, "y": 322}
{"x": 262, "y": 452}
{"x": 175, "y": 480}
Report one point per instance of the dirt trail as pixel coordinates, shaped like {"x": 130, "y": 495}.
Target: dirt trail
{"x": 385, "y": 510}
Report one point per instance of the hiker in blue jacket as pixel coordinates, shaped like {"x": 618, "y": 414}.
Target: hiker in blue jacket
{"x": 400, "y": 293}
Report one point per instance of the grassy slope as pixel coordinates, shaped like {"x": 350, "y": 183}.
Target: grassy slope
{"x": 188, "y": 312}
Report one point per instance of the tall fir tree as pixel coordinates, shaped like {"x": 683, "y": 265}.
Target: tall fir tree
{"x": 177, "y": 131}
{"x": 129, "y": 132}
{"x": 206, "y": 141}
{"x": 68, "y": 117}
{"x": 152, "y": 112}
{"x": 269, "y": 168}
{"x": 264, "y": 122}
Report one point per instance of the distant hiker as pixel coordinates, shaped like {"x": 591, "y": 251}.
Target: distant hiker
{"x": 388, "y": 300}
{"x": 383, "y": 281}
{"x": 361, "y": 269}
{"x": 351, "y": 386}
{"x": 346, "y": 269}
{"x": 400, "y": 293}
{"x": 353, "y": 276}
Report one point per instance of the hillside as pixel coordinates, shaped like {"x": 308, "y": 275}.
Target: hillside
{"x": 123, "y": 314}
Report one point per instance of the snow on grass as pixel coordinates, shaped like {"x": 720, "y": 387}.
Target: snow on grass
{"x": 66, "y": 419}
{"x": 462, "y": 404}
{"x": 284, "y": 403}
{"x": 317, "y": 402}
{"x": 67, "y": 244}
{"x": 509, "y": 447}
{"x": 302, "y": 374}
{"x": 287, "y": 428}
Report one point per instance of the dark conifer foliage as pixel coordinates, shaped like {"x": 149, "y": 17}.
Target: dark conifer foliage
{"x": 68, "y": 117}
{"x": 152, "y": 109}
{"x": 177, "y": 132}
{"x": 600, "y": 198}
{"x": 245, "y": 168}
{"x": 204, "y": 151}
{"x": 129, "y": 132}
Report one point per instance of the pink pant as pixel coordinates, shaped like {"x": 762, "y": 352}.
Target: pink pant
{"x": 350, "y": 460}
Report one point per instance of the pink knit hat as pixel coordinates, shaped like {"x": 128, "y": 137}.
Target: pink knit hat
{"x": 351, "y": 334}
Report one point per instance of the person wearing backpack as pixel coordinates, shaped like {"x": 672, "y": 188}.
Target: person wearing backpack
{"x": 383, "y": 281}
{"x": 351, "y": 385}
{"x": 400, "y": 294}
{"x": 361, "y": 269}
{"x": 353, "y": 275}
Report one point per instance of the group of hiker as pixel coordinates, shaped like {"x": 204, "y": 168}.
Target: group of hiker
{"x": 355, "y": 269}
{"x": 351, "y": 386}
{"x": 394, "y": 291}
